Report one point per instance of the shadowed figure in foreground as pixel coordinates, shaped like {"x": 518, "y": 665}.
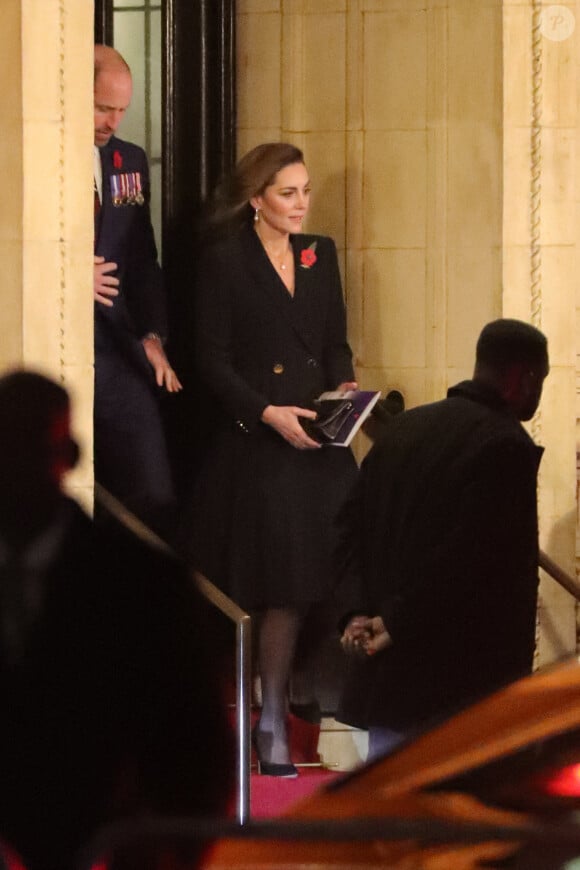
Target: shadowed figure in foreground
{"x": 111, "y": 701}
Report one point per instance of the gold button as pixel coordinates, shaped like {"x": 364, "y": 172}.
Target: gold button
{"x": 278, "y": 369}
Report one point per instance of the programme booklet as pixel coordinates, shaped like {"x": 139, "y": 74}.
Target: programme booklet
{"x": 340, "y": 415}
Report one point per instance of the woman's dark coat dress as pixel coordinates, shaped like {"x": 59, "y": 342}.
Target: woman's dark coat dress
{"x": 263, "y": 510}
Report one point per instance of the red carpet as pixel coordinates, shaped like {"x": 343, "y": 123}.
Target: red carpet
{"x": 272, "y": 795}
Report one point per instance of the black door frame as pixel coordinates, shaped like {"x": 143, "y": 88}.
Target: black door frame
{"x": 104, "y": 22}
{"x": 199, "y": 136}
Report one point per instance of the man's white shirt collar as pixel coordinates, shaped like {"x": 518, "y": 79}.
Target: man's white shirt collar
{"x": 98, "y": 171}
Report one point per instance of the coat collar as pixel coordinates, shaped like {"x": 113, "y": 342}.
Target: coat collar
{"x": 484, "y": 394}
{"x": 476, "y": 391}
{"x": 108, "y": 151}
{"x": 294, "y": 309}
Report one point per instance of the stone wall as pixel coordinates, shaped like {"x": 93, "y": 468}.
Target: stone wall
{"x": 449, "y": 204}
{"x": 46, "y": 227}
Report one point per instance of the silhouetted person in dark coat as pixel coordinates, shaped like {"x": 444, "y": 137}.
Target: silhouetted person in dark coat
{"x": 111, "y": 706}
{"x": 439, "y": 554}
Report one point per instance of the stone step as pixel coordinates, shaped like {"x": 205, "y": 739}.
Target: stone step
{"x": 340, "y": 747}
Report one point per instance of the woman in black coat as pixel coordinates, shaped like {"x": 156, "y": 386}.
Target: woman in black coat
{"x": 271, "y": 336}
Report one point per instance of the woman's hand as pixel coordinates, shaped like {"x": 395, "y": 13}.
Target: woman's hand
{"x": 284, "y": 419}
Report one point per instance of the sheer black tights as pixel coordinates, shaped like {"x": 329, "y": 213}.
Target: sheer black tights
{"x": 277, "y": 636}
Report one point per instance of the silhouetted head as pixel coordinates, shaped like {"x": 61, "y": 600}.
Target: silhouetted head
{"x": 36, "y": 450}
{"x": 512, "y": 357}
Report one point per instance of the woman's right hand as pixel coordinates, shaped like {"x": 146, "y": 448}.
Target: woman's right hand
{"x": 284, "y": 419}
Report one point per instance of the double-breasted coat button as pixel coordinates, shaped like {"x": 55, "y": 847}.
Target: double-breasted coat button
{"x": 278, "y": 369}
{"x": 312, "y": 363}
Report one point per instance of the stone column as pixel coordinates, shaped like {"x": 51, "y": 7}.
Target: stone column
{"x": 46, "y": 227}
{"x": 540, "y": 253}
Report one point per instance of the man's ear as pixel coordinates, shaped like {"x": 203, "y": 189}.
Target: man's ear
{"x": 512, "y": 380}
{"x": 64, "y": 457}
{"x": 64, "y": 451}
{"x": 73, "y": 454}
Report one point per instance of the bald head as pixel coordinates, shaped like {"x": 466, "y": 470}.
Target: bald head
{"x": 107, "y": 57}
{"x": 113, "y": 89}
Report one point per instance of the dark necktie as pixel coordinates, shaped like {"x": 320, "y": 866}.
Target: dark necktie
{"x": 97, "y": 207}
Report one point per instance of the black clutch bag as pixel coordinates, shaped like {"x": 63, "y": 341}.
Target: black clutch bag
{"x": 332, "y": 415}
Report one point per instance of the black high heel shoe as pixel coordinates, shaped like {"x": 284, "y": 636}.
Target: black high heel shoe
{"x": 271, "y": 768}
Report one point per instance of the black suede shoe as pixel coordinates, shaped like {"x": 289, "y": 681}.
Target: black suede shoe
{"x": 271, "y": 768}
{"x": 268, "y": 768}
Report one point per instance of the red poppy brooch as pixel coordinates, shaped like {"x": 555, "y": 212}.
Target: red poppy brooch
{"x": 308, "y": 256}
{"x": 117, "y": 160}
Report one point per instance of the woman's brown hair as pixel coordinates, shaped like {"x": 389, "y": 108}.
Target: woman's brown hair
{"x": 255, "y": 171}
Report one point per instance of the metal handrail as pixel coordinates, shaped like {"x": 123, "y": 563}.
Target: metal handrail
{"x": 569, "y": 583}
{"x": 243, "y": 625}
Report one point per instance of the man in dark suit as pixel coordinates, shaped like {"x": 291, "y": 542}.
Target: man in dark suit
{"x": 439, "y": 555}
{"x": 131, "y": 367}
{"x": 111, "y": 706}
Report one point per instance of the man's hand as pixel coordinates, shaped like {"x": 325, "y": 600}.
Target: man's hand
{"x": 284, "y": 419}
{"x": 355, "y": 635}
{"x": 104, "y": 285}
{"x": 164, "y": 374}
{"x": 365, "y": 636}
{"x": 379, "y": 637}
{"x": 347, "y": 386}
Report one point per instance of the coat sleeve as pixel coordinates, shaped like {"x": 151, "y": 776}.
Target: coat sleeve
{"x": 215, "y": 342}
{"x": 337, "y": 359}
{"x": 350, "y": 594}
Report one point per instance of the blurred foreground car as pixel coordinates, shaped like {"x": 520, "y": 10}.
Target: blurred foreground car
{"x": 511, "y": 762}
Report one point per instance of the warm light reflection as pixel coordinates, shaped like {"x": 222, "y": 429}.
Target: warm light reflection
{"x": 564, "y": 782}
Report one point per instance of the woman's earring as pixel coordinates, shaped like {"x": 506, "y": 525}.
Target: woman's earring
{"x": 256, "y": 214}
